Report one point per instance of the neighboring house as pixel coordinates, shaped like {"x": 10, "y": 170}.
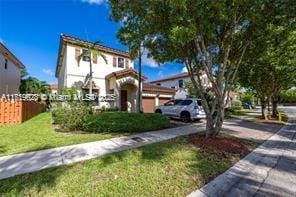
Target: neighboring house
{"x": 54, "y": 88}
{"x": 10, "y": 72}
{"x": 114, "y": 77}
{"x": 177, "y": 82}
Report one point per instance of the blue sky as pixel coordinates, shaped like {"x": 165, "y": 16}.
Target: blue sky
{"x": 31, "y": 30}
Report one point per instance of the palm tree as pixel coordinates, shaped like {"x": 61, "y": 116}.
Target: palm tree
{"x": 91, "y": 50}
{"x": 136, "y": 51}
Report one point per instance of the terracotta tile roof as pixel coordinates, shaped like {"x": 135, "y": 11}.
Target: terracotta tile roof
{"x": 10, "y": 56}
{"x": 155, "y": 88}
{"x": 127, "y": 71}
{"x": 73, "y": 40}
{"x": 64, "y": 39}
{"x": 53, "y": 86}
{"x": 177, "y": 76}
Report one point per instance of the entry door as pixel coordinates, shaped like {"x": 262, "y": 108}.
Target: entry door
{"x": 123, "y": 100}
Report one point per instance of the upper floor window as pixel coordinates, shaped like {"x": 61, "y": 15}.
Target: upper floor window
{"x": 159, "y": 84}
{"x": 173, "y": 87}
{"x": 5, "y": 64}
{"x": 181, "y": 83}
{"x": 120, "y": 62}
{"x": 86, "y": 55}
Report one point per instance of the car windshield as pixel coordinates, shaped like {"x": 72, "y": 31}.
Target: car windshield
{"x": 182, "y": 102}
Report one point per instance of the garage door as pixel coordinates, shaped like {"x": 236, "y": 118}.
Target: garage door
{"x": 148, "y": 104}
{"x": 163, "y": 100}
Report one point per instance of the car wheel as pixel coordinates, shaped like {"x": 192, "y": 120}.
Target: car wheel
{"x": 185, "y": 117}
{"x": 158, "y": 111}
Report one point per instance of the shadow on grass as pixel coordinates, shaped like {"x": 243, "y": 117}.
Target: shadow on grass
{"x": 20, "y": 185}
{"x": 2, "y": 149}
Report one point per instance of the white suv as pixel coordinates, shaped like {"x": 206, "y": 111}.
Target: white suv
{"x": 184, "y": 109}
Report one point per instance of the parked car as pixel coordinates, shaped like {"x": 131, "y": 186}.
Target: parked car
{"x": 247, "y": 106}
{"x": 184, "y": 109}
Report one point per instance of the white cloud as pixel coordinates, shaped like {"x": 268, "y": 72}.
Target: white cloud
{"x": 148, "y": 61}
{"x": 48, "y": 72}
{"x": 160, "y": 74}
{"x": 184, "y": 69}
{"x": 98, "y": 2}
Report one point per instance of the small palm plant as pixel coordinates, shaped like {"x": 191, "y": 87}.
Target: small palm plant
{"x": 90, "y": 51}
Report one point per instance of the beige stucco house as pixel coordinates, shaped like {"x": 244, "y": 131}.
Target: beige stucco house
{"x": 10, "y": 71}
{"x": 116, "y": 76}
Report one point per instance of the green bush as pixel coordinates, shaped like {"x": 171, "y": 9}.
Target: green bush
{"x": 288, "y": 96}
{"x": 124, "y": 122}
{"x": 236, "y": 106}
{"x": 247, "y": 98}
{"x": 109, "y": 109}
{"x": 71, "y": 116}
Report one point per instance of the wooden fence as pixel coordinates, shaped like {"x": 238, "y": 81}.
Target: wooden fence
{"x": 19, "y": 111}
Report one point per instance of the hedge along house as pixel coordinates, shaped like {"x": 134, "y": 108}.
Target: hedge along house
{"x": 114, "y": 77}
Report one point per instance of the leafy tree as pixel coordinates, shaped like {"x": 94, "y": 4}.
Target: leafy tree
{"x": 269, "y": 64}
{"x": 32, "y": 85}
{"x": 207, "y": 36}
{"x": 90, "y": 53}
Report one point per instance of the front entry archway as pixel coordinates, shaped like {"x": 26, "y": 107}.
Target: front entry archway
{"x": 128, "y": 96}
{"x": 123, "y": 100}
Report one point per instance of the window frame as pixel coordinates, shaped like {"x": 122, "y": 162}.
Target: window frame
{"x": 86, "y": 55}
{"x": 5, "y": 64}
{"x": 118, "y": 63}
{"x": 181, "y": 83}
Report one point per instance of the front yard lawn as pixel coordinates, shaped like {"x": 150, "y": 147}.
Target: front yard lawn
{"x": 172, "y": 168}
{"x": 37, "y": 133}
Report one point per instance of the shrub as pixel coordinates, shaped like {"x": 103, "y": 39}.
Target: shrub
{"x": 236, "y": 106}
{"x": 109, "y": 109}
{"x": 288, "y": 96}
{"x": 71, "y": 116}
{"x": 247, "y": 98}
{"x": 124, "y": 122}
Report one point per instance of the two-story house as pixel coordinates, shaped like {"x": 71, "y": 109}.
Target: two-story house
{"x": 114, "y": 76}
{"x": 10, "y": 71}
{"x": 177, "y": 82}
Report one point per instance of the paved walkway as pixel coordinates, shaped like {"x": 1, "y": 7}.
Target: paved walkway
{"x": 270, "y": 170}
{"x": 33, "y": 161}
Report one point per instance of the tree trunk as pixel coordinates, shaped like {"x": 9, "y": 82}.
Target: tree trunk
{"x": 263, "y": 109}
{"x": 215, "y": 122}
{"x": 90, "y": 76}
{"x": 274, "y": 107}
{"x": 140, "y": 83}
{"x": 268, "y": 105}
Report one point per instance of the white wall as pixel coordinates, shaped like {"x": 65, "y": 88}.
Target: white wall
{"x": 10, "y": 78}
{"x": 181, "y": 92}
{"x": 71, "y": 72}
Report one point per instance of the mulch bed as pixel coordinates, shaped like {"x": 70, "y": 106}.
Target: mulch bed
{"x": 223, "y": 146}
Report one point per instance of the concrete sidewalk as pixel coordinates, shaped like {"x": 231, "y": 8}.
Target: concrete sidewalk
{"x": 270, "y": 170}
{"x": 33, "y": 161}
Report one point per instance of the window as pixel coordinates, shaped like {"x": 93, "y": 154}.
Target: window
{"x": 183, "y": 102}
{"x": 5, "y": 64}
{"x": 158, "y": 84}
{"x": 86, "y": 55}
{"x": 120, "y": 62}
{"x": 173, "y": 87}
{"x": 181, "y": 83}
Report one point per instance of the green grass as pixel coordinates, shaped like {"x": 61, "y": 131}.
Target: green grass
{"x": 37, "y": 133}
{"x": 171, "y": 168}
